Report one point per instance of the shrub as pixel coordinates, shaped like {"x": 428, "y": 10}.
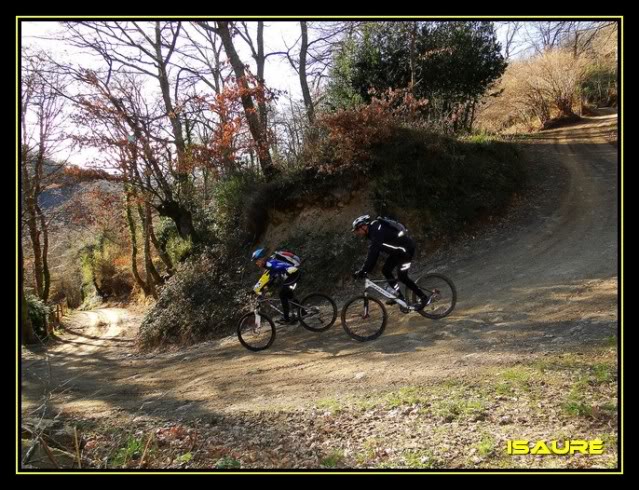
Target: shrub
{"x": 38, "y": 313}
{"x": 204, "y": 299}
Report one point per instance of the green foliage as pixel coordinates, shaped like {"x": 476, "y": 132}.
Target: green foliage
{"x": 131, "y": 450}
{"x": 101, "y": 277}
{"x": 176, "y": 247}
{"x": 229, "y": 205}
{"x": 599, "y": 85}
{"x": 604, "y": 373}
{"x": 453, "y": 63}
{"x": 330, "y": 405}
{"x": 340, "y": 92}
{"x": 38, "y": 313}
{"x": 228, "y": 463}
{"x": 185, "y": 458}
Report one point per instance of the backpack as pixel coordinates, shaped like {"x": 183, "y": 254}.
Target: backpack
{"x": 288, "y": 256}
{"x": 396, "y": 225}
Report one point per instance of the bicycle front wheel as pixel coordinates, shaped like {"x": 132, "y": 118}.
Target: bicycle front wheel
{"x": 253, "y": 335}
{"x": 364, "y": 318}
{"x": 317, "y": 312}
{"x": 444, "y": 295}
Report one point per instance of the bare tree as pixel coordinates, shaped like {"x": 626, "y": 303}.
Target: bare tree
{"x": 575, "y": 35}
{"x": 257, "y": 125}
{"x": 146, "y": 49}
{"x": 582, "y": 35}
{"x": 42, "y": 119}
{"x": 306, "y": 93}
{"x": 513, "y": 43}
{"x": 318, "y": 42}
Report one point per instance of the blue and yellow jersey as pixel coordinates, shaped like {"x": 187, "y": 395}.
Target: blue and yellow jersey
{"x": 274, "y": 269}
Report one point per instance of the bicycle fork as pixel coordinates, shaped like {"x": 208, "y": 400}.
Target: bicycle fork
{"x": 365, "y": 315}
{"x": 258, "y": 319}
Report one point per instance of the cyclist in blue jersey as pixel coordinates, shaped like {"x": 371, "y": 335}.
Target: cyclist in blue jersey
{"x": 278, "y": 271}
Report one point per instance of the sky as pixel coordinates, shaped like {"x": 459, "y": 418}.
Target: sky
{"x": 278, "y": 35}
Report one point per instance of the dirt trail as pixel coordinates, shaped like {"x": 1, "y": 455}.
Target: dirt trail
{"x": 542, "y": 280}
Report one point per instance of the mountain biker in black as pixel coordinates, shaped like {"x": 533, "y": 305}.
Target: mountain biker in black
{"x": 384, "y": 237}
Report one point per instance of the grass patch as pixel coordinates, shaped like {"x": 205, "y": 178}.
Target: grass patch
{"x": 504, "y": 388}
{"x": 577, "y": 407}
{"x": 459, "y": 409}
{"x": 366, "y": 403}
{"x": 518, "y": 377}
{"x": 576, "y": 404}
{"x": 330, "y": 405}
{"x": 370, "y": 449}
{"x": 371, "y": 446}
{"x": 604, "y": 373}
{"x": 332, "y": 459}
{"x": 228, "y": 463}
{"x": 486, "y": 445}
{"x": 419, "y": 459}
{"x": 406, "y": 396}
{"x": 480, "y": 138}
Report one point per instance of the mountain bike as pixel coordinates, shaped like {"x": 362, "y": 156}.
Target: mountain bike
{"x": 364, "y": 317}
{"x": 256, "y": 331}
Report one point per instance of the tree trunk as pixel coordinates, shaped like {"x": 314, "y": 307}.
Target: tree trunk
{"x": 34, "y": 234}
{"x": 261, "y": 62}
{"x": 176, "y": 124}
{"x": 134, "y": 247}
{"x": 97, "y": 287}
{"x": 308, "y": 102}
{"x": 257, "y": 131}
{"x": 161, "y": 251}
{"x": 565, "y": 107}
{"x": 413, "y": 64}
{"x": 46, "y": 275}
{"x": 32, "y": 226}
{"x": 472, "y": 115}
{"x": 181, "y": 217}
{"x": 27, "y": 334}
{"x": 152, "y": 276}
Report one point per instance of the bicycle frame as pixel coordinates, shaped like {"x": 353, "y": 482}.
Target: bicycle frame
{"x": 368, "y": 284}
{"x": 271, "y": 302}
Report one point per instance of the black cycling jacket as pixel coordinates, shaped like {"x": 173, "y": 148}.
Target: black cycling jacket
{"x": 383, "y": 238}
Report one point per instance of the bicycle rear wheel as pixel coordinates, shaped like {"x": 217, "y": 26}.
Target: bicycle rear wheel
{"x": 364, "y": 318}
{"x": 317, "y": 313}
{"x": 253, "y": 336}
{"x": 444, "y": 295}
